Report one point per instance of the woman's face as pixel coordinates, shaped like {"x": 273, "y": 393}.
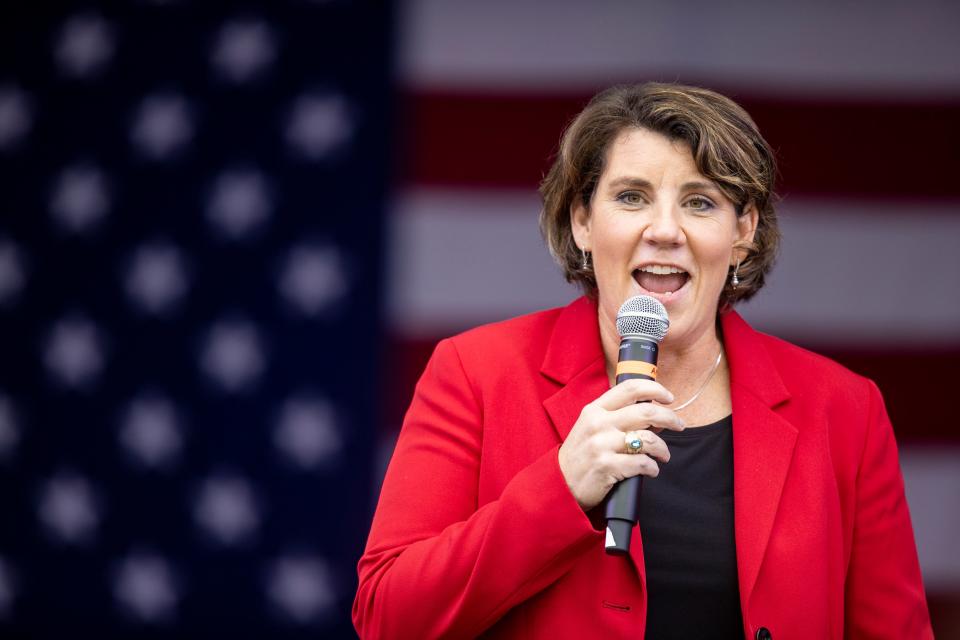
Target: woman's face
{"x": 656, "y": 226}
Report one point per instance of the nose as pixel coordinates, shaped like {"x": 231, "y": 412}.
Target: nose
{"x": 664, "y": 227}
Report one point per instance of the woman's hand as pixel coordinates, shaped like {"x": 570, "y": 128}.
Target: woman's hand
{"x": 593, "y": 458}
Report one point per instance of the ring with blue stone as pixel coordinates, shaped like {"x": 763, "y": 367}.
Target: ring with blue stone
{"x": 633, "y": 442}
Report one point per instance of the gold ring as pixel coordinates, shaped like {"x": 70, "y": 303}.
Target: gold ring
{"x": 633, "y": 442}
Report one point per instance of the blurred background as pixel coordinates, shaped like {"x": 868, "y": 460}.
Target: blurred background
{"x": 232, "y": 232}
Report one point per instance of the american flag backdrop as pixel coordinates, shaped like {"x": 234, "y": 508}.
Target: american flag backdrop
{"x": 190, "y": 264}
{"x": 205, "y": 205}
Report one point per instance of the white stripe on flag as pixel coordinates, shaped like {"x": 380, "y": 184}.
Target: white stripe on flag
{"x": 791, "y": 47}
{"x": 461, "y": 258}
{"x": 849, "y": 273}
{"x": 932, "y": 481}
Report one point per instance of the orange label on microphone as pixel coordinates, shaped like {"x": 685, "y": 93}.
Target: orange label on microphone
{"x": 637, "y": 366}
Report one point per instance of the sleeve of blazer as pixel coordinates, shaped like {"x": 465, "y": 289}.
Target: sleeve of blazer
{"x": 435, "y": 564}
{"x": 884, "y": 589}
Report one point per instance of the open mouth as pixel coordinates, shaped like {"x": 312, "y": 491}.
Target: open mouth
{"x": 661, "y": 279}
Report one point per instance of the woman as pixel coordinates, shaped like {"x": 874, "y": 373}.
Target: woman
{"x": 773, "y": 505}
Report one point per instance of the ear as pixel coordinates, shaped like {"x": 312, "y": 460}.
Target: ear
{"x": 580, "y": 224}
{"x": 746, "y": 230}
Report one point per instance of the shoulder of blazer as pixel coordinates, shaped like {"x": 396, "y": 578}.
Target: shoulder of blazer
{"x": 818, "y": 396}
{"x": 818, "y": 375}
{"x": 812, "y": 391}
{"x": 802, "y": 371}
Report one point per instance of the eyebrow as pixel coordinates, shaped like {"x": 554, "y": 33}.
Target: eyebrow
{"x": 628, "y": 181}
{"x": 698, "y": 185}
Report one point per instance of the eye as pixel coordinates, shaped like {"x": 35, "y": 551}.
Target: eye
{"x": 699, "y": 203}
{"x": 631, "y": 197}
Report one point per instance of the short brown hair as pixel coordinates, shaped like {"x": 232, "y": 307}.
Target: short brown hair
{"x": 727, "y": 148}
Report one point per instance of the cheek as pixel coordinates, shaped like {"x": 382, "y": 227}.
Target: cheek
{"x": 713, "y": 250}
{"x": 616, "y": 240}
{"x": 612, "y": 248}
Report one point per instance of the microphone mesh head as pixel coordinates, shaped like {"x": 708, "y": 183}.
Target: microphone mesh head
{"x": 643, "y": 315}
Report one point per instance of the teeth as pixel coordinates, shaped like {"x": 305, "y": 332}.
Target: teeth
{"x": 661, "y": 269}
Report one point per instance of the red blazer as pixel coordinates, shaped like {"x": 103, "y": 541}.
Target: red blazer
{"x": 476, "y": 532}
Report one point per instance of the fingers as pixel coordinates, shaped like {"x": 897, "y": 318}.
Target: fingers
{"x": 644, "y": 416}
{"x": 632, "y": 391}
{"x": 637, "y": 464}
{"x": 593, "y": 456}
{"x": 653, "y": 445}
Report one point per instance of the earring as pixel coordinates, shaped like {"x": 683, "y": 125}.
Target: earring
{"x": 734, "y": 280}
{"x": 586, "y": 259}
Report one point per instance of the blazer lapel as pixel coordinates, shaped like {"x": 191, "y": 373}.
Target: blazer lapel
{"x": 763, "y": 444}
{"x": 575, "y": 360}
{"x": 565, "y": 405}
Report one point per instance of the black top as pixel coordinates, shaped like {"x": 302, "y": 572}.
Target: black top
{"x": 686, "y": 520}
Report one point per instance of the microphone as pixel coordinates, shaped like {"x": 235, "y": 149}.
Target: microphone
{"x": 642, "y": 323}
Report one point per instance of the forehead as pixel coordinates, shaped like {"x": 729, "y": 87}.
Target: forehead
{"x": 638, "y": 152}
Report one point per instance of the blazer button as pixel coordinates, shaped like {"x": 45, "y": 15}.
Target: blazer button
{"x": 764, "y": 634}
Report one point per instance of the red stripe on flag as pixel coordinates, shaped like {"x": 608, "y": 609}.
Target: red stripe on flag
{"x": 945, "y": 613}
{"x": 842, "y": 147}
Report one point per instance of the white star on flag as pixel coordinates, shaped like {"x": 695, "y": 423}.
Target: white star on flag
{"x": 243, "y": 50}
{"x": 162, "y": 126}
{"x": 239, "y": 203}
{"x": 80, "y": 198}
{"x": 145, "y": 588}
{"x": 312, "y": 278}
{"x": 85, "y": 45}
{"x": 68, "y": 509}
{"x": 319, "y": 124}
{"x": 306, "y": 432}
{"x": 74, "y": 353}
{"x": 225, "y": 508}
{"x": 232, "y": 355}
{"x": 16, "y": 116}
{"x": 301, "y": 586}
{"x": 156, "y": 279}
{"x": 150, "y": 431}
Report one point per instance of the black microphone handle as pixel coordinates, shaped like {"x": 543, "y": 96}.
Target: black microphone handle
{"x": 622, "y": 508}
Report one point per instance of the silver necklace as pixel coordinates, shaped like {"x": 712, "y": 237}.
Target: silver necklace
{"x": 702, "y": 386}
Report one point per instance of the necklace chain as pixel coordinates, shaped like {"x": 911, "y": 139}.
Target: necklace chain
{"x": 703, "y": 386}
